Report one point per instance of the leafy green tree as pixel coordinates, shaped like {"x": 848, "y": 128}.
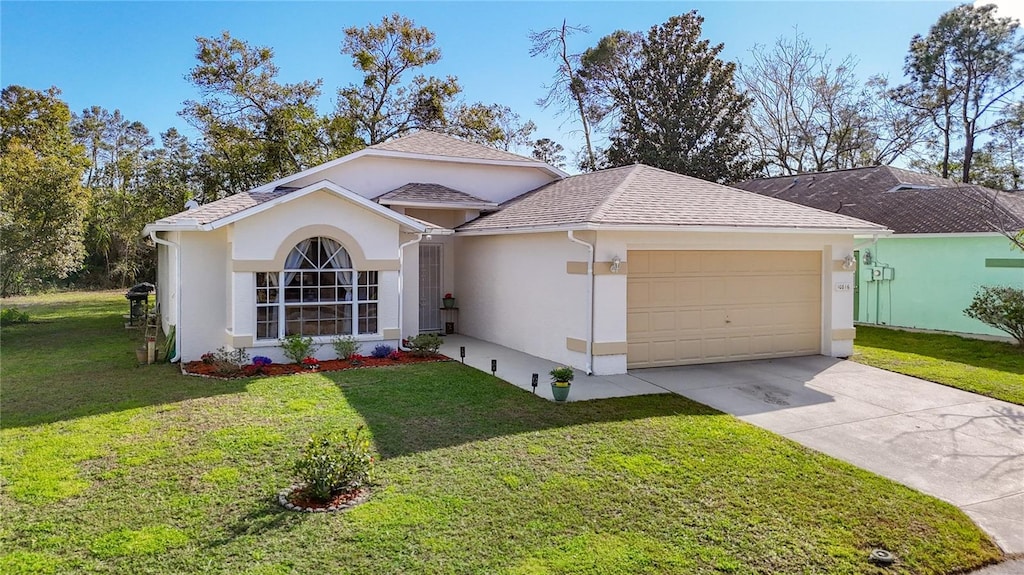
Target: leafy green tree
{"x": 968, "y": 66}
{"x": 387, "y": 103}
{"x": 492, "y": 125}
{"x": 680, "y": 109}
{"x": 42, "y": 198}
{"x": 255, "y": 128}
{"x": 549, "y": 152}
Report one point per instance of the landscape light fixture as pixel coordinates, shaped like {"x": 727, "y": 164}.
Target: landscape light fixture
{"x": 616, "y": 262}
{"x": 462, "y": 353}
{"x": 494, "y": 367}
{"x": 533, "y": 383}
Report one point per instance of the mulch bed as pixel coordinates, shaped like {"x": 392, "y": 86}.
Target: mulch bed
{"x": 295, "y": 499}
{"x": 209, "y": 370}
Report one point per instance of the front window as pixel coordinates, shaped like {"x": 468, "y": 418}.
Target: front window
{"x": 318, "y": 293}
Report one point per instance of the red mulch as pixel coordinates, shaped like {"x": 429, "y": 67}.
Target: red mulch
{"x": 209, "y": 370}
{"x": 300, "y": 498}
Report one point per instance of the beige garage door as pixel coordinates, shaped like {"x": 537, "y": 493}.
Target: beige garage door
{"x": 687, "y": 307}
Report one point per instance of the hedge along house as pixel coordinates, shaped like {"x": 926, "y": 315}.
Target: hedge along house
{"x": 949, "y": 240}
{"x": 628, "y": 267}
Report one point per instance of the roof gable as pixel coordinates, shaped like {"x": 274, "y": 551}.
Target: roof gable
{"x": 429, "y": 146}
{"x": 245, "y": 204}
{"x": 641, "y": 195}
{"x": 431, "y": 194}
{"x": 436, "y": 144}
{"x": 904, "y": 201}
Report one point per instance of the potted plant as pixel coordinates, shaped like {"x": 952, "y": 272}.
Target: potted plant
{"x": 561, "y": 379}
{"x": 448, "y": 301}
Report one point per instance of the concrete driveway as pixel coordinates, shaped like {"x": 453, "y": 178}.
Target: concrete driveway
{"x": 961, "y": 447}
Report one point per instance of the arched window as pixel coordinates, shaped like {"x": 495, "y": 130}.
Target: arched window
{"x": 318, "y": 292}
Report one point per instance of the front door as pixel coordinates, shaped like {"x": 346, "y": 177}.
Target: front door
{"x": 430, "y": 287}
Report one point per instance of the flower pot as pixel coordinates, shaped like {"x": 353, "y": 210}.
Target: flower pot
{"x": 141, "y": 354}
{"x": 448, "y": 302}
{"x": 560, "y": 390}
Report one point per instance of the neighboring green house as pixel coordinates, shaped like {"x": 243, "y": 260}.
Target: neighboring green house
{"x": 949, "y": 240}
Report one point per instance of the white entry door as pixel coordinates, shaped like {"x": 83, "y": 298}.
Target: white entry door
{"x": 430, "y": 287}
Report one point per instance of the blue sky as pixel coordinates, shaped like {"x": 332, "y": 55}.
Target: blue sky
{"x": 134, "y": 56}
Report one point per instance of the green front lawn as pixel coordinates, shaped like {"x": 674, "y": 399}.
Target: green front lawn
{"x": 990, "y": 368}
{"x": 112, "y": 468}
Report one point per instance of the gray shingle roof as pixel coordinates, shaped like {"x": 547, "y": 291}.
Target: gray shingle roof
{"x": 428, "y": 194}
{"x": 904, "y": 201}
{"x": 224, "y": 207}
{"x": 642, "y": 195}
{"x": 435, "y": 144}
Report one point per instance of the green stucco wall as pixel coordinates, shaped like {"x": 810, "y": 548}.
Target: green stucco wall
{"x": 934, "y": 279}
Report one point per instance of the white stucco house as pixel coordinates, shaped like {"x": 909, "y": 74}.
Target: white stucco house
{"x": 607, "y": 271}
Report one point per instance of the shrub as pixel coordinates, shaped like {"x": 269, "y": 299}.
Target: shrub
{"x": 1001, "y": 307}
{"x": 333, "y": 463}
{"x": 382, "y": 351}
{"x": 563, "y": 373}
{"x": 345, "y": 346}
{"x": 395, "y": 355}
{"x": 296, "y": 348}
{"x": 225, "y": 361}
{"x": 11, "y": 316}
{"x": 424, "y": 344}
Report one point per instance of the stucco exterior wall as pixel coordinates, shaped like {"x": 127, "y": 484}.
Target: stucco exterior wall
{"x": 373, "y": 176}
{"x": 934, "y": 279}
{"x": 203, "y": 292}
{"x": 513, "y": 290}
{"x": 167, "y": 281}
{"x": 260, "y": 236}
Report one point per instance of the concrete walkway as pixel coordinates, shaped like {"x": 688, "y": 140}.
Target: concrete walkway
{"x": 961, "y": 447}
{"x": 517, "y": 368}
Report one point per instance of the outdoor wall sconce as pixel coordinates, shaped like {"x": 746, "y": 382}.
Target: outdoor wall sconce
{"x": 494, "y": 367}
{"x": 867, "y": 257}
{"x": 533, "y": 383}
{"x": 462, "y": 353}
{"x": 616, "y": 262}
{"x": 849, "y": 262}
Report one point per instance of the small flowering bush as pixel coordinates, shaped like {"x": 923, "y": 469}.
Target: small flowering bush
{"x": 395, "y": 355}
{"x": 382, "y": 351}
{"x": 424, "y": 344}
{"x": 310, "y": 362}
{"x": 334, "y": 463}
{"x": 259, "y": 364}
{"x": 296, "y": 348}
{"x": 345, "y": 346}
{"x": 226, "y": 362}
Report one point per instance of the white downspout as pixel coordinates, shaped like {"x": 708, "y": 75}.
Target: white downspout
{"x": 401, "y": 285}
{"x": 590, "y": 300}
{"x": 177, "y": 293}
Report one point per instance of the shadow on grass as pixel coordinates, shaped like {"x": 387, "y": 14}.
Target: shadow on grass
{"x": 418, "y": 408}
{"x": 974, "y": 352}
{"x": 78, "y": 361}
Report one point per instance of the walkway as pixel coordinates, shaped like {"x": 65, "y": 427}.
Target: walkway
{"x": 517, "y": 368}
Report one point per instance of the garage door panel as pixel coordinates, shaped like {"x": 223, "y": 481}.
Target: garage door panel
{"x": 700, "y": 306}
